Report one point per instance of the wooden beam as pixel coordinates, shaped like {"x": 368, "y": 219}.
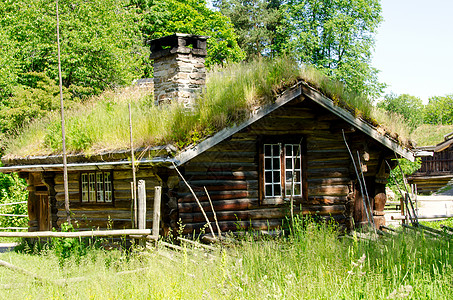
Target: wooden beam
{"x": 76, "y": 234}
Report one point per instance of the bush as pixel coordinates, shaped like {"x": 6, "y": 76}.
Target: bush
{"x": 13, "y": 189}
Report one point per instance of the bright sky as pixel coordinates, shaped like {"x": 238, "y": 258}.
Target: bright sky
{"x": 414, "y": 47}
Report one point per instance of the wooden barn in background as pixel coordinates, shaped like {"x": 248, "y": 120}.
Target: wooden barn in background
{"x": 437, "y": 166}
{"x": 293, "y": 147}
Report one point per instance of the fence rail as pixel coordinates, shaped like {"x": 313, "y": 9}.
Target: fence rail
{"x": 13, "y": 203}
{"x": 13, "y": 215}
{"x": 13, "y": 228}
{"x": 434, "y": 207}
{"x": 76, "y": 234}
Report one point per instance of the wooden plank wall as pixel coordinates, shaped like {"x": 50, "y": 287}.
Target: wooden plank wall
{"x": 118, "y": 214}
{"x": 229, "y": 171}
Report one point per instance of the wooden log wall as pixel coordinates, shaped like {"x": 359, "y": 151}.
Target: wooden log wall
{"x": 440, "y": 163}
{"x": 116, "y": 215}
{"x": 230, "y": 172}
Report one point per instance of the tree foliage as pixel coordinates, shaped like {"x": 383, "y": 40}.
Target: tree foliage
{"x": 164, "y": 17}
{"x": 439, "y": 110}
{"x": 335, "y": 36}
{"x": 338, "y": 37}
{"x": 410, "y": 107}
{"x": 396, "y": 178}
{"x": 100, "y": 44}
{"x": 259, "y": 25}
{"x": 13, "y": 189}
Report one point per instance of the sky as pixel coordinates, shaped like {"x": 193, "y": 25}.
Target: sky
{"x": 414, "y": 47}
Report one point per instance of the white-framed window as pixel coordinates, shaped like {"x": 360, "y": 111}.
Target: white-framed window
{"x": 282, "y": 169}
{"x": 96, "y": 187}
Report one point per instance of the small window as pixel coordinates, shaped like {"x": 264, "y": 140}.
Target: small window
{"x": 96, "y": 187}
{"x": 282, "y": 171}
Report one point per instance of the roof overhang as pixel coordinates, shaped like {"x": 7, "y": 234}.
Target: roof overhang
{"x": 444, "y": 145}
{"x": 119, "y": 159}
{"x": 87, "y": 166}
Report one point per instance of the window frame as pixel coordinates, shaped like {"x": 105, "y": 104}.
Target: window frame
{"x": 282, "y": 141}
{"x": 95, "y": 184}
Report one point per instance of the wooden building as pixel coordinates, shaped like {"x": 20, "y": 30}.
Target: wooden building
{"x": 292, "y": 148}
{"x": 437, "y": 166}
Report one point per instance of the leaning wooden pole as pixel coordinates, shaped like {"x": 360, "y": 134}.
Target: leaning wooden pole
{"x": 134, "y": 180}
{"x": 65, "y": 162}
{"x": 197, "y": 200}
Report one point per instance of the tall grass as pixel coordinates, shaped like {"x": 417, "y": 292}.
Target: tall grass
{"x": 392, "y": 123}
{"x": 232, "y": 93}
{"x": 313, "y": 262}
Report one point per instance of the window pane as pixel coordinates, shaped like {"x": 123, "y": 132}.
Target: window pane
{"x": 108, "y": 187}
{"x": 277, "y": 190}
{"x": 276, "y": 163}
{"x": 268, "y": 177}
{"x": 272, "y": 170}
{"x": 289, "y": 163}
{"x": 269, "y": 191}
{"x": 100, "y": 187}
{"x": 92, "y": 185}
{"x": 268, "y": 150}
{"x": 268, "y": 163}
{"x": 292, "y": 159}
{"x": 297, "y": 190}
{"x": 84, "y": 179}
{"x": 297, "y": 179}
{"x": 289, "y": 150}
{"x": 276, "y": 176}
{"x": 288, "y": 176}
{"x": 288, "y": 189}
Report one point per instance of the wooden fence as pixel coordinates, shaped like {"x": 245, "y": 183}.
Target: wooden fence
{"x": 427, "y": 208}
{"x": 134, "y": 233}
{"x": 13, "y": 215}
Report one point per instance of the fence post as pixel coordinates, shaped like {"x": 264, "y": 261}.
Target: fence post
{"x": 156, "y": 215}
{"x": 141, "y": 204}
{"x": 403, "y": 221}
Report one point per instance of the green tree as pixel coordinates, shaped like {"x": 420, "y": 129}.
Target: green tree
{"x": 259, "y": 25}
{"x": 8, "y": 64}
{"x": 439, "y": 110}
{"x": 100, "y": 41}
{"x": 337, "y": 37}
{"x": 410, "y": 107}
{"x": 13, "y": 189}
{"x": 165, "y": 17}
{"x": 28, "y": 102}
{"x": 396, "y": 178}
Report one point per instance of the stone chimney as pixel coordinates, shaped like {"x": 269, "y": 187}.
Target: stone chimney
{"x": 179, "y": 70}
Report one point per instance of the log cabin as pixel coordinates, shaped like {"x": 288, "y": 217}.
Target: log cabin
{"x": 436, "y": 166}
{"x": 294, "y": 149}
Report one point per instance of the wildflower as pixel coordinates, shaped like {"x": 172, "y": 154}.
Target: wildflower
{"x": 401, "y": 292}
{"x": 206, "y": 295}
{"x": 362, "y": 259}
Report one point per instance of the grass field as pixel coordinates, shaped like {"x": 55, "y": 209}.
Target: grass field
{"x": 312, "y": 262}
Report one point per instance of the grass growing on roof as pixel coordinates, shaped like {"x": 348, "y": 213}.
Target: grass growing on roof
{"x": 431, "y": 135}
{"x": 232, "y": 92}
